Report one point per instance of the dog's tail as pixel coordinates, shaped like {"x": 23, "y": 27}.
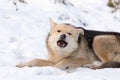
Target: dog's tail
{"x": 110, "y": 65}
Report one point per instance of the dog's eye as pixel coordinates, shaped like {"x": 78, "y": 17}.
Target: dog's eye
{"x": 70, "y": 33}
{"x": 58, "y": 30}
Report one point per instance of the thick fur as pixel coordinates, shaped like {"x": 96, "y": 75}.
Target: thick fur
{"x": 106, "y": 47}
{"x": 81, "y": 47}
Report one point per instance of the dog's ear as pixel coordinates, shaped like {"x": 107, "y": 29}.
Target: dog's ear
{"x": 52, "y": 23}
{"x": 80, "y": 31}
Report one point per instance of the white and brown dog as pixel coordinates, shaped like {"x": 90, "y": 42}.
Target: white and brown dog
{"x": 70, "y": 47}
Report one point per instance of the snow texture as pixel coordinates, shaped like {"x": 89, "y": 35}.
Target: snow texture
{"x": 23, "y": 36}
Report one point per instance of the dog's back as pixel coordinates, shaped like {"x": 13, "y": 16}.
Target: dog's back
{"x": 105, "y": 45}
{"x": 91, "y": 34}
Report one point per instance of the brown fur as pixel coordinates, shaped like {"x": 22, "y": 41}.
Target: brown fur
{"x": 107, "y": 48}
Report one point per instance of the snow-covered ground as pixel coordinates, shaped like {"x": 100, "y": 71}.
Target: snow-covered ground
{"x": 23, "y": 34}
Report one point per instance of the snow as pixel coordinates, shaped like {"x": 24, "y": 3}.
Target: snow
{"x": 23, "y": 35}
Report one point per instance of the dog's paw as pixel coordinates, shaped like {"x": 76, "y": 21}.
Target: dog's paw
{"x": 87, "y": 65}
{"x": 91, "y": 66}
{"x": 20, "y": 65}
{"x": 23, "y": 65}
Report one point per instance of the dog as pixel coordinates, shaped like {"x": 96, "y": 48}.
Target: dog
{"x": 70, "y": 47}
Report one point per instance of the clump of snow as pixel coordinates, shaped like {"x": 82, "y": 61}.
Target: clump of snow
{"x": 23, "y": 35}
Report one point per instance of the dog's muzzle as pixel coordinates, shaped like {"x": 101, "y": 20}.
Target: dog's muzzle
{"x": 61, "y": 42}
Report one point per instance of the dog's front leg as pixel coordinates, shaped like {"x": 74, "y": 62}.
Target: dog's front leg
{"x": 71, "y": 63}
{"x": 37, "y": 63}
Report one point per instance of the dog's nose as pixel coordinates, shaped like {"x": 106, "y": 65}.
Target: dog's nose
{"x": 63, "y": 36}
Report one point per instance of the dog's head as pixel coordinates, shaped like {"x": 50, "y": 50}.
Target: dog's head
{"x": 63, "y": 38}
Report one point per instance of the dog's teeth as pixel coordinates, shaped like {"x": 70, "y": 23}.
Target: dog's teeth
{"x": 63, "y": 45}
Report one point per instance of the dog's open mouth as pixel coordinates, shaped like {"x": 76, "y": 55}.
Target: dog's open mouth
{"x": 62, "y": 43}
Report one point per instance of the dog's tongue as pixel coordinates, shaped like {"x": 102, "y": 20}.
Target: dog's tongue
{"x": 62, "y": 43}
